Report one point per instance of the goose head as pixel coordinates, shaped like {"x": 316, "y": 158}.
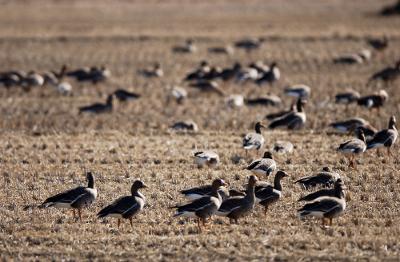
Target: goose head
{"x": 268, "y": 154}
{"x": 136, "y": 186}
{"x": 258, "y": 127}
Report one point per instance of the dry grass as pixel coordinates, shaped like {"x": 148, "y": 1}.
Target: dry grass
{"x": 133, "y": 141}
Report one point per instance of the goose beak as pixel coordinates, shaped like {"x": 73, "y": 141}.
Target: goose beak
{"x": 144, "y": 186}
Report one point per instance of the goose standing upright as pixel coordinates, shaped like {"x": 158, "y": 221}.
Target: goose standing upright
{"x": 354, "y": 147}
{"x": 76, "y": 198}
{"x": 326, "y": 207}
{"x": 266, "y": 194}
{"x": 386, "y": 137}
{"x": 203, "y": 208}
{"x": 254, "y": 140}
{"x": 239, "y": 206}
{"x": 126, "y": 207}
{"x": 293, "y": 120}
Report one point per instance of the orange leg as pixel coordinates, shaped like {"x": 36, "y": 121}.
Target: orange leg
{"x": 80, "y": 214}
{"x": 130, "y": 220}
{"x": 265, "y": 210}
{"x": 330, "y": 221}
{"x": 198, "y": 225}
{"x": 119, "y": 222}
{"x": 73, "y": 213}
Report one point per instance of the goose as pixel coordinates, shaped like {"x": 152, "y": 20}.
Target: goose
{"x": 348, "y": 97}
{"x": 293, "y": 120}
{"x": 64, "y": 88}
{"x": 199, "y": 73}
{"x": 378, "y": 44}
{"x": 207, "y": 86}
{"x": 298, "y": 91}
{"x": 33, "y": 79}
{"x": 325, "y": 207}
{"x": 239, "y": 206}
{"x": 98, "y": 108}
{"x": 250, "y": 44}
{"x": 230, "y": 72}
{"x": 269, "y": 100}
{"x": 271, "y": 76}
{"x": 376, "y": 100}
{"x": 179, "y": 94}
{"x": 235, "y": 100}
{"x": 126, "y": 207}
{"x": 282, "y": 147}
{"x": 184, "y": 126}
{"x": 323, "y": 192}
{"x": 266, "y": 194}
{"x": 98, "y": 75}
{"x": 10, "y": 79}
{"x": 325, "y": 178}
{"x": 247, "y": 74}
{"x": 353, "y": 147}
{"x": 292, "y": 108}
{"x": 189, "y": 47}
{"x": 124, "y": 95}
{"x": 202, "y": 208}
{"x": 76, "y": 198}
{"x": 263, "y": 166}
{"x": 155, "y": 71}
{"x": 254, "y": 140}
{"x": 206, "y": 157}
{"x": 386, "y": 137}
{"x": 348, "y": 125}
{"x": 205, "y": 190}
{"x": 222, "y": 50}
{"x": 388, "y": 74}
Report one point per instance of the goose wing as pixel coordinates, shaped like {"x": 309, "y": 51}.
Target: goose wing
{"x": 67, "y": 197}
{"x": 383, "y": 137}
{"x": 120, "y": 206}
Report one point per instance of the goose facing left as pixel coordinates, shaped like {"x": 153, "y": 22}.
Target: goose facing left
{"x": 126, "y": 207}
{"x": 77, "y": 198}
{"x": 98, "y": 108}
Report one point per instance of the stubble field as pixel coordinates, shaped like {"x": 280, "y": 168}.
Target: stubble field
{"x": 46, "y": 147}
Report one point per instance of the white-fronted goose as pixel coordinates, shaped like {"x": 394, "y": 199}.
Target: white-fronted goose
{"x": 247, "y": 74}
{"x": 93, "y": 74}
{"x": 77, "y": 198}
{"x": 293, "y": 120}
{"x": 64, "y": 88}
{"x": 254, "y": 140}
{"x": 393, "y": 9}
{"x": 386, "y": 137}
{"x": 282, "y": 147}
{"x": 206, "y": 157}
{"x": 326, "y": 207}
{"x": 378, "y": 44}
{"x": 388, "y": 74}
{"x": 376, "y": 100}
{"x": 33, "y": 79}
{"x": 353, "y": 147}
{"x": 124, "y": 95}
{"x": 269, "y": 100}
{"x": 267, "y": 195}
{"x": 331, "y": 192}
{"x": 152, "y": 72}
{"x": 239, "y": 206}
{"x": 264, "y": 166}
{"x": 203, "y": 208}
{"x": 298, "y": 91}
{"x": 184, "y": 126}
{"x": 271, "y": 76}
{"x": 208, "y": 86}
{"x": 189, "y": 47}
{"x": 325, "y": 178}
{"x": 250, "y": 44}
{"x": 231, "y": 72}
{"x": 126, "y": 207}
{"x": 98, "y": 108}
{"x": 348, "y": 97}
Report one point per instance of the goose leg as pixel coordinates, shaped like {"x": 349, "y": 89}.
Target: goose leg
{"x": 130, "y": 220}
{"x": 330, "y": 221}
{"x": 265, "y": 210}
{"x": 389, "y": 153}
{"x": 80, "y": 214}
{"x": 199, "y": 225}
{"x": 119, "y": 223}
{"x": 73, "y": 213}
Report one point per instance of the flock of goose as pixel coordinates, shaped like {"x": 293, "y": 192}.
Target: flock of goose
{"x": 216, "y": 199}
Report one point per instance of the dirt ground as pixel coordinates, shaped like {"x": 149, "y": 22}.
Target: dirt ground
{"x": 46, "y": 147}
